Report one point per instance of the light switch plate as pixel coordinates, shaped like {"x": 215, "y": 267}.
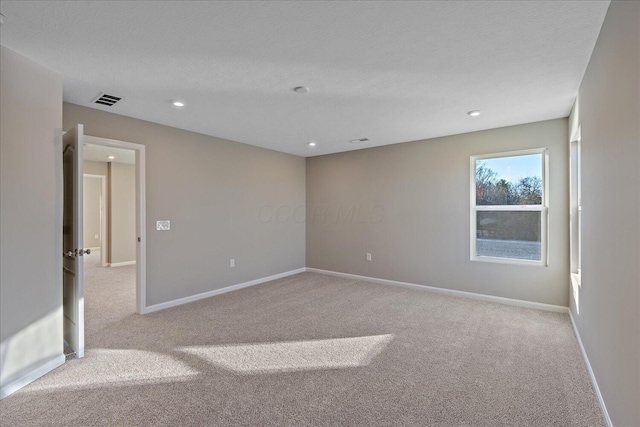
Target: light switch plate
{"x": 164, "y": 225}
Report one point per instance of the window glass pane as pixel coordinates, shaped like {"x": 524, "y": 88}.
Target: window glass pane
{"x": 515, "y": 180}
{"x": 509, "y": 234}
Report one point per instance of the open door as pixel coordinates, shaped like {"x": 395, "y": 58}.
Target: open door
{"x": 72, "y": 267}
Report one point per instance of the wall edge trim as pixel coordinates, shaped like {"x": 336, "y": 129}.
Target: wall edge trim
{"x": 192, "y": 298}
{"x": 121, "y": 264}
{"x": 592, "y": 376}
{"x": 33, "y": 374}
{"x": 450, "y": 292}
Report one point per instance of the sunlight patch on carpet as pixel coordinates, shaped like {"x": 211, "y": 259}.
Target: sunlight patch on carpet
{"x": 293, "y": 355}
{"x": 117, "y": 367}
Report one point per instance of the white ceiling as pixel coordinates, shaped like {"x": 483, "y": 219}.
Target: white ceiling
{"x": 100, "y": 153}
{"x": 389, "y": 71}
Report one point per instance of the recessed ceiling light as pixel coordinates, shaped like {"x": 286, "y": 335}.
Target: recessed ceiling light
{"x": 111, "y": 157}
{"x": 312, "y": 144}
{"x": 474, "y": 113}
{"x": 178, "y": 103}
{"x": 301, "y": 89}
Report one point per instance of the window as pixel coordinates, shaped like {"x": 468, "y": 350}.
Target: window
{"x": 509, "y": 207}
{"x": 576, "y": 205}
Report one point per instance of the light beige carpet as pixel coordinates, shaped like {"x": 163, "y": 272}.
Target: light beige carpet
{"x": 313, "y": 350}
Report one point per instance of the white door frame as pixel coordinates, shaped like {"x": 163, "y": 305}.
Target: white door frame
{"x": 141, "y": 246}
{"x": 103, "y": 216}
{"x": 73, "y": 241}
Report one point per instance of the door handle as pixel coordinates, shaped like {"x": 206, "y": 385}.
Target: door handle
{"x": 71, "y": 254}
{"x": 77, "y": 252}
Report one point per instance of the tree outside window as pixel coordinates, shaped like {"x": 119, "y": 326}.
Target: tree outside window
{"x": 508, "y": 207}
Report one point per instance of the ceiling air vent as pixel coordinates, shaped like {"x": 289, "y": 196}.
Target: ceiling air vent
{"x": 355, "y": 141}
{"x": 105, "y": 99}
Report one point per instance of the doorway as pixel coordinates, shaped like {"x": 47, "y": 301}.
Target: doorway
{"x": 94, "y": 210}
{"x": 115, "y": 237}
{"x": 122, "y": 236}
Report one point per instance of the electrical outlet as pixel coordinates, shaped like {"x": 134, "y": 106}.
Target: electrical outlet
{"x": 232, "y": 263}
{"x": 368, "y": 256}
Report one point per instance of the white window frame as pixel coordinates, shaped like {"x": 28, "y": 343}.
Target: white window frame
{"x": 575, "y": 173}
{"x": 543, "y": 208}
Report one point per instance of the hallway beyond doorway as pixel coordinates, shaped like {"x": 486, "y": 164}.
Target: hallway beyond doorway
{"x": 110, "y": 296}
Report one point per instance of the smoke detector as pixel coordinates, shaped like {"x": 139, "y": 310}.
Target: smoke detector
{"x": 301, "y": 90}
{"x": 356, "y": 141}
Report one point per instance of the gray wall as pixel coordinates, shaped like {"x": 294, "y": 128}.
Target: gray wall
{"x": 608, "y": 110}
{"x": 95, "y": 168}
{"x": 122, "y": 218}
{"x": 91, "y": 194}
{"x": 30, "y": 216}
{"x": 218, "y": 195}
{"x": 408, "y": 205}
{"x": 100, "y": 168}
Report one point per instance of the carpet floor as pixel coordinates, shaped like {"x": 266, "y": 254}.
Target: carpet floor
{"x": 314, "y": 350}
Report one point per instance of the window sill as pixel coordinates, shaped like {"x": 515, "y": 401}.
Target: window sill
{"x": 511, "y": 261}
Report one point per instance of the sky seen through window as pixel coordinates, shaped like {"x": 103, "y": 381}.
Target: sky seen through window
{"x": 514, "y": 167}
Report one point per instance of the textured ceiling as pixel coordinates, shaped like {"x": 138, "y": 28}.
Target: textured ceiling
{"x": 389, "y": 71}
{"x": 99, "y": 153}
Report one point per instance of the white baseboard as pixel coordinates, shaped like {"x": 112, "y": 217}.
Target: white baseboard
{"x": 450, "y": 292}
{"x": 120, "y": 264}
{"x": 594, "y": 382}
{"x": 35, "y": 373}
{"x": 185, "y": 300}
